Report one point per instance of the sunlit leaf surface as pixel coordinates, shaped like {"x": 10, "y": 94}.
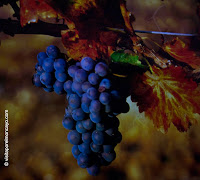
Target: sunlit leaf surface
{"x": 181, "y": 51}
{"x": 178, "y": 99}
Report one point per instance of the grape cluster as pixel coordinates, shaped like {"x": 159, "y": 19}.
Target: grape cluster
{"x": 93, "y": 104}
{"x": 50, "y": 70}
{"x": 91, "y": 114}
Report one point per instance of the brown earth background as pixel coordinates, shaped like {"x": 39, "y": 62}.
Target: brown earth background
{"x": 37, "y": 140}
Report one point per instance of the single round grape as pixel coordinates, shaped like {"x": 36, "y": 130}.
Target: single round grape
{"x": 80, "y": 75}
{"x": 36, "y": 80}
{"x": 60, "y": 65}
{"x": 72, "y": 69}
{"x": 68, "y": 86}
{"x": 74, "y": 137}
{"x": 40, "y": 57}
{"x": 61, "y": 76}
{"x": 92, "y": 93}
{"x": 77, "y": 88}
{"x": 84, "y": 160}
{"x": 80, "y": 128}
{"x": 85, "y": 86}
{"x": 48, "y": 89}
{"x": 93, "y": 78}
{"x": 95, "y": 117}
{"x": 95, "y": 106}
{"x": 78, "y": 114}
{"x": 98, "y": 137}
{"x": 68, "y": 123}
{"x": 58, "y": 87}
{"x": 105, "y": 98}
{"x": 101, "y": 69}
{"x": 87, "y": 124}
{"x": 87, "y": 63}
{"x": 105, "y": 83}
{"x": 85, "y": 107}
{"x": 84, "y": 148}
{"x": 74, "y": 101}
{"x": 48, "y": 65}
{"x": 87, "y": 137}
{"x": 46, "y": 78}
{"x": 108, "y": 148}
{"x": 95, "y": 148}
{"x": 93, "y": 170}
{"x": 85, "y": 99}
{"x": 109, "y": 156}
{"x": 52, "y": 51}
{"x": 75, "y": 151}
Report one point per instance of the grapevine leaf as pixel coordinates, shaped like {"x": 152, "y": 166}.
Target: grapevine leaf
{"x": 87, "y": 21}
{"x": 180, "y": 51}
{"x": 177, "y": 98}
{"x": 80, "y": 47}
{"x": 122, "y": 57}
{"x": 32, "y": 10}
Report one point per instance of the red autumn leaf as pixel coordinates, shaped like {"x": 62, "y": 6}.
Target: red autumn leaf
{"x": 174, "y": 99}
{"x": 180, "y": 51}
{"x": 32, "y": 10}
{"x": 99, "y": 48}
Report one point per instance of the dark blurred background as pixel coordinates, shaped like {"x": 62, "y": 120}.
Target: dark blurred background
{"x": 37, "y": 141}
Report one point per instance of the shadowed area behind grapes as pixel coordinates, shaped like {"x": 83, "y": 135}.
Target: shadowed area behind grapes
{"x": 38, "y": 145}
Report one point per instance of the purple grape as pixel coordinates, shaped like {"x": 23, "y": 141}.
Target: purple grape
{"x": 46, "y": 78}
{"x": 95, "y": 106}
{"x": 75, "y": 151}
{"x": 72, "y": 69}
{"x": 48, "y": 65}
{"x": 52, "y": 51}
{"x": 92, "y": 93}
{"x": 101, "y": 69}
{"x": 98, "y": 137}
{"x": 93, "y": 170}
{"x": 78, "y": 114}
{"x": 61, "y": 76}
{"x": 80, "y": 128}
{"x": 36, "y": 80}
{"x": 87, "y": 63}
{"x": 93, "y": 78}
{"x": 74, "y": 101}
{"x": 40, "y": 57}
{"x": 60, "y": 65}
{"x": 80, "y": 75}
{"x": 74, "y": 137}
{"x": 105, "y": 98}
{"x": 68, "y": 123}
{"x": 84, "y": 160}
{"x": 68, "y": 86}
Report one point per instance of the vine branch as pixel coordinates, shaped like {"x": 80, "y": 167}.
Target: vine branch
{"x": 12, "y": 27}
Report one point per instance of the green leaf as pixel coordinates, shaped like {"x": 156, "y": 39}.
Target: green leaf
{"x": 125, "y": 58}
